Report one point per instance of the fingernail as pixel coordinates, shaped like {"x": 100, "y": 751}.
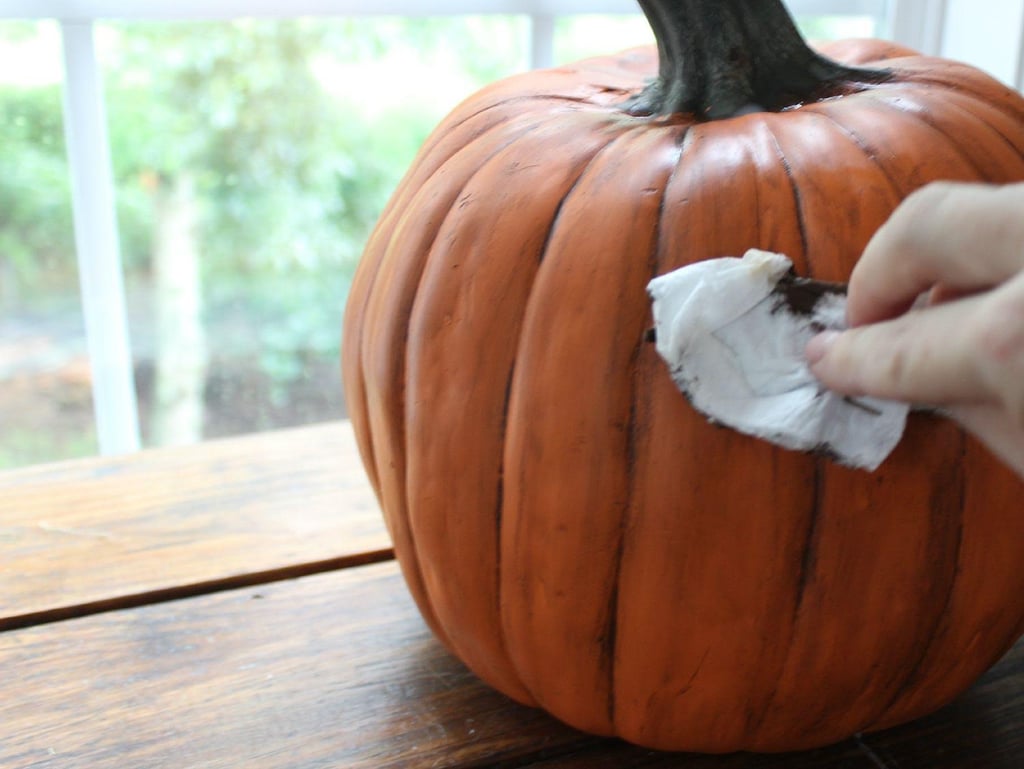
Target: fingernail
{"x": 818, "y": 346}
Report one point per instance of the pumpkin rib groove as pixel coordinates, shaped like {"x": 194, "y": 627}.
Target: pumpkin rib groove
{"x": 560, "y": 206}
{"x": 411, "y": 183}
{"x": 551, "y": 230}
{"x": 638, "y": 424}
{"x": 633, "y": 430}
{"x": 403, "y": 535}
{"x": 939, "y": 628}
{"x": 816, "y": 585}
{"x": 805, "y": 575}
{"x": 694, "y": 512}
{"x": 499, "y": 516}
{"x": 759, "y": 719}
{"x": 423, "y": 273}
{"x": 982, "y": 124}
{"x": 352, "y": 369}
{"x": 809, "y": 557}
{"x": 906, "y": 178}
{"x": 980, "y": 106}
{"x": 655, "y": 260}
{"x": 764, "y": 716}
{"x": 857, "y": 169}
{"x": 977, "y": 633}
{"x": 530, "y": 577}
{"x": 478, "y": 235}
{"x": 540, "y": 100}
{"x": 611, "y": 633}
{"x": 870, "y": 152}
{"x": 970, "y": 82}
{"x": 994, "y": 130}
{"x": 801, "y": 221}
{"x": 610, "y": 637}
{"x": 924, "y": 119}
{"x": 499, "y": 95}
{"x": 390, "y": 222}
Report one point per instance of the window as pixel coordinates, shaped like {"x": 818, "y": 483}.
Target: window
{"x": 248, "y": 159}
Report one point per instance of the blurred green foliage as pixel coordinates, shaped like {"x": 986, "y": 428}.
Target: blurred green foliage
{"x": 294, "y": 134}
{"x": 35, "y": 203}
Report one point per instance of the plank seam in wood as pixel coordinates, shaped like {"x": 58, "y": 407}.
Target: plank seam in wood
{"x": 178, "y": 592}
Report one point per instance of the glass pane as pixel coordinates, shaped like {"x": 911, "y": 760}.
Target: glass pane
{"x": 839, "y": 27}
{"x": 577, "y": 37}
{"x": 252, "y": 159}
{"x": 45, "y": 385}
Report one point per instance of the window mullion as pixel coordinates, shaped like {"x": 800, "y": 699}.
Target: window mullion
{"x": 1020, "y": 56}
{"x": 542, "y": 41}
{"x": 918, "y": 24}
{"x": 96, "y": 243}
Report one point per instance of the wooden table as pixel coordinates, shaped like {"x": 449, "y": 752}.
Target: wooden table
{"x": 236, "y": 605}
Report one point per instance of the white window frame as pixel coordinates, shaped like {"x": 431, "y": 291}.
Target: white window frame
{"x": 918, "y": 23}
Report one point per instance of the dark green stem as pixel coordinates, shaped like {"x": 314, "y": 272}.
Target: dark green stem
{"x": 722, "y": 58}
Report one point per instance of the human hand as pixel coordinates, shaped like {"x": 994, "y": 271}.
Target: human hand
{"x": 936, "y": 306}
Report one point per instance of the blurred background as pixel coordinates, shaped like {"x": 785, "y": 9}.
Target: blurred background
{"x": 250, "y": 160}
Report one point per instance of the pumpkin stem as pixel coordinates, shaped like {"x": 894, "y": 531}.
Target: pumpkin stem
{"x": 724, "y": 58}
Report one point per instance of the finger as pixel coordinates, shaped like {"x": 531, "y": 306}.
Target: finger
{"x": 999, "y": 342}
{"x": 926, "y": 357}
{"x": 965, "y": 237}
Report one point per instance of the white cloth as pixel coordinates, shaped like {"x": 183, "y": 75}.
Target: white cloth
{"x": 734, "y": 345}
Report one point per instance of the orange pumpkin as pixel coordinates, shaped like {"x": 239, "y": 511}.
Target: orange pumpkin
{"x": 568, "y": 525}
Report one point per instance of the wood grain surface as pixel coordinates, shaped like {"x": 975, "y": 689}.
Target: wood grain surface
{"x": 338, "y": 670}
{"x": 221, "y": 606}
{"x": 83, "y": 536}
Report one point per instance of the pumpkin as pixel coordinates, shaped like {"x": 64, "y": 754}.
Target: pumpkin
{"x": 568, "y": 525}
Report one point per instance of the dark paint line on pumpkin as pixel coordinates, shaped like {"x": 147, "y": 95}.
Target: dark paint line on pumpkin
{"x": 809, "y": 557}
{"x": 871, "y": 153}
{"x": 926, "y": 79}
{"x": 637, "y": 424}
{"x": 996, "y": 133}
{"x": 808, "y": 561}
{"x": 921, "y": 114}
{"x": 797, "y": 200}
{"x": 957, "y": 488}
{"x": 965, "y": 150}
{"x": 411, "y": 562}
{"x": 633, "y": 429}
{"x": 555, "y": 220}
{"x": 609, "y": 639}
{"x": 654, "y": 260}
{"x": 542, "y": 99}
{"x": 1015, "y": 116}
{"x": 392, "y": 217}
{"x": 499, "y": 516}
{"x": 414, "y": 556}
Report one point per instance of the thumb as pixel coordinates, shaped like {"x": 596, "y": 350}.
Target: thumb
{"x": 925, "y": 356}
